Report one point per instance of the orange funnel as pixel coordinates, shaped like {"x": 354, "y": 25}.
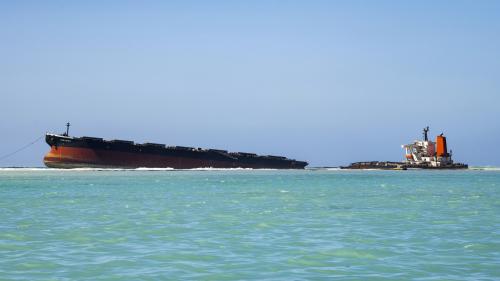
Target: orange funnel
{"x": 441, "y": 150}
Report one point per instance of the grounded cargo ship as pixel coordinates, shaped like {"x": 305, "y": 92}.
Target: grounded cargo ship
{"x": 421, "y": 154}
{"x": 82, "y": 152}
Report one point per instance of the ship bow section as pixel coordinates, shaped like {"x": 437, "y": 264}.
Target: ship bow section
{"x": 67, "y": 152}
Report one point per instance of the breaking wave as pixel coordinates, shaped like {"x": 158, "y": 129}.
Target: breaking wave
{"x": 334, "y": 169}
{"x": 476, "y": 168}
{"x": 136, "y": 169}
{"x": 485, "y": 168}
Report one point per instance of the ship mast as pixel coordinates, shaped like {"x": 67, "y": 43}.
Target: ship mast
{"x": 426, "y": 130}
{"x": 67, "y": 129}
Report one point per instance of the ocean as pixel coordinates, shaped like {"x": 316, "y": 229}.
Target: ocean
{"x": 249, "y": 225}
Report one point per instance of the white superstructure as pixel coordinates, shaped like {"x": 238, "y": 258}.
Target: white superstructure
{"x": 426, "y": 152}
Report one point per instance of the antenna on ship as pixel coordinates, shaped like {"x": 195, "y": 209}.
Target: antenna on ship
{"x": 426, "y": 130}
{"x": 67, "y": 129}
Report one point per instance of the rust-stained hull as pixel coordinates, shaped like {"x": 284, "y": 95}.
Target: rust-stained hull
{"x": 70, "y": 152}
{"x": 71, "y": 157}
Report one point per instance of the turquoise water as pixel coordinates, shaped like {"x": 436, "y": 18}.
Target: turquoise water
{"x": 242, "y": 225}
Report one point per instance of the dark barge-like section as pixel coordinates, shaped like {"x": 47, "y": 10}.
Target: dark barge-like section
{"x": 388, "y": 165}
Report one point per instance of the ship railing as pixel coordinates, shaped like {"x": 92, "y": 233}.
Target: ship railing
{"x": 122, "y": 142}
{"x": 218, "y": 150}
{"x": 224, "y": 153}
{"x": 245, "y": 154}
{"x": 154, "y": 144}
{"x": 91, "y": 139}
{"x": 275, "y": 157}
{"x": 187, "y": 148}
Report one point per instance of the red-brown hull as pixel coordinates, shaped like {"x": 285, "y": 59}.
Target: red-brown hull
{"x": 71, "y": 152}
{"x": 76, "y": 157}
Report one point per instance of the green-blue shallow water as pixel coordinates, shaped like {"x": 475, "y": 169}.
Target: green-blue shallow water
{"x": 242, "y": 225}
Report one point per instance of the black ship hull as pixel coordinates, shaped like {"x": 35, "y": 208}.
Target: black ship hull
{"x": 73, "y": 152}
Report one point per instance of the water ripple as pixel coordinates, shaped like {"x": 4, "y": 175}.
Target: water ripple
{"x": 261, "y": 225}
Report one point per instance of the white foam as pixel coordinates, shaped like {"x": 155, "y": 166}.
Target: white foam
{"x": 333, "y": 169}
{"x": 153, "y": 169}
{"x": 485, "y": 168}
{"x": 25, "y": 169}
{"x": 42, "y": 169}
{"x": 58, "y": 169}
{"x": 220, "y": 169}
{"x": 136, "y": 169}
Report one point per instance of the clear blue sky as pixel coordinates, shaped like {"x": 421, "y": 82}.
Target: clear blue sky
{"x": 330, "y": 82}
